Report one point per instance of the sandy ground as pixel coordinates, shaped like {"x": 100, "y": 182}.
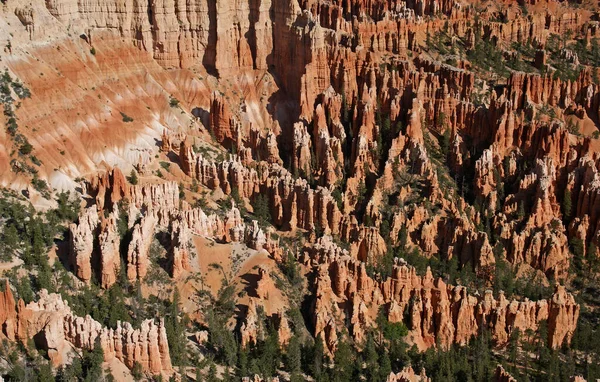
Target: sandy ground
{"x": 238, "y": 264}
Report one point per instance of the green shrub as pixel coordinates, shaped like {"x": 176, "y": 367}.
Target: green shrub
{"x": 126, "y": 118}
{"x": 133, "y": 178}
{"x": 26, "y": 148}
{"x": 165, "y": 165}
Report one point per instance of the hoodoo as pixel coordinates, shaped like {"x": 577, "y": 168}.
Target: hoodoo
{"x": 284, "y": 190}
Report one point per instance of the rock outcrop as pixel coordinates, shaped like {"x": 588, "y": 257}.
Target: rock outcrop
{"x": 257, "y": 378}
{"x": 56, "y": 329}
{"x": 8, "y": 313}
{"x": 181, "y": 254}
{"x": 408, "y": 375}
{"x": 502, "y": 375}
{"x": 249, "y": 330}
{"x": 147, "y": 346}
{"x": 439, "y": 313}
{"x": 139, "y": 247}
{"x": 264, "y": 283}
{"x": 109, "y": 246}
{"x": 294, "y": 204}
{"x": 82, "y": 243}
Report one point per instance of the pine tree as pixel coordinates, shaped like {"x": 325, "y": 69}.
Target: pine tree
{"x": 212, "y": 373}
{"x": 137, "y": 372}
{"x": 513, "y": 347}
{"x": 593, "y": 259}
{"x": 92, "y": 362}
{"x": 198, "y": 377}
{"x": 521, "y": 210}
{"x": 317, "y": 366}
{"x": 11, "y": 237}
{"x": 133, "y": 178}
{"x": 38, "y": 245}
{"x": 181, "y": 191}
{"x": 371, "y": 358}
{"x": 117, "y": 308}
{"x": 403, "y": 237}
{"x": 385, "y": 365}
{"x": 344, "y": 360}
{"x": 294, "y": 355}
{"x": 577, "y": 247}
{"x": 44, "y": 373}
{"x": 269, "y": 360}
{"x": 176, "y": 332}
{"x": 24, "y": 289}
{"x": 445, "y": 143}
{"x": 261, "y": 210}
{"x": 567, "y": 206}
{"x": 44, "y": 277}
{"x": 242, "y": 362}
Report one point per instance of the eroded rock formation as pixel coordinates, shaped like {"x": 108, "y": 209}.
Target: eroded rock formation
{"x": 408, "y": 375}
{"x": 439, "y": 313}
{"x": 55, "y": 327}
{"x": 343, "y": 118}
{"x": 139, "y": 247}
{"x": 502, "y": 375}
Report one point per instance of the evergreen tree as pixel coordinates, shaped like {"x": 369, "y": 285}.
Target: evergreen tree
{"x": 117, "y": 309}
{"x": 593, "y": 260}
{"x": 212, "y": 373}
{"x": 403, "y": 237}
{"x": 44, "y": 373}
{"x": 91, "y": 363}
{"x": 371, "y": 359}
{"x": 344, "y": 363}
{"x": 24, "y": 289}
{"x": 577, "y": 247}
{"x": 269, "y": 354}
{"x": 567, "y": 204}
{"x": 261, "y": 210}
{"x": 445, "y": 143}
{"x": 513, "y": 347}
{"x": 521, "y": 210}
{"x": 242, "y": 362}
{"x": 181, "y": 191}
{"x": 44, "y": 277}
{"x": 294, "y": 356}
{"x": 317, "y": 366}
{"x": 38, "y": 245}
{"x": 221, "y": 338}
{"x": 175, "y": 329}
{"x": 11, "y": 237}
{"x": 386, "y": 365}
{"x": 198, "y": 376}
{"x": 194, "y": 187}
{"x": 137, "y": 372}
{"x": 133, "y": 178}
